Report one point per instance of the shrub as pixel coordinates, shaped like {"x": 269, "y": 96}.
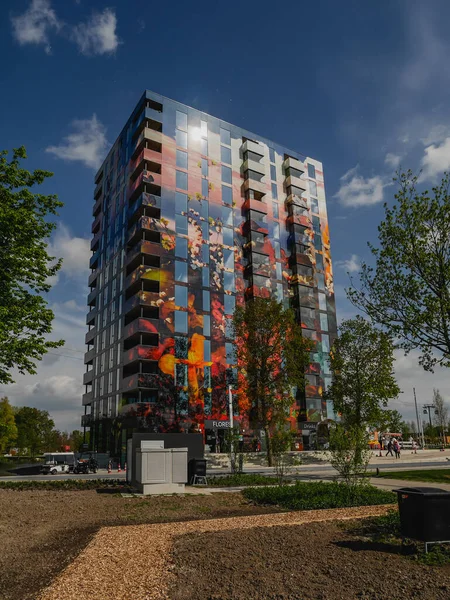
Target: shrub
{"x": 319, "y": 494}
{"x": 63, "y": 484}
{"x": 238, "y": 479}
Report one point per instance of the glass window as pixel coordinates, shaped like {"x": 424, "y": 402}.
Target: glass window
{"x": 205, "y": 167}
{"x": 313, "y": 188}
{"x": 319, "y": 262}
{"x": 205, "y": 276}
{"x": 279, "y": 292}
{"x": 205, "y": 253}
{"x": 322, "y": 302}
{"x": 228, "y": 259}
{"x": 181, "y": 271}
{"x": 320, "y": 281}
{"x": 225, "y": 154}
{"x": 228, "y": 236}
{"x": 273, "y": 172}
{"x": 181, "y": 224}
{"x": 181, "y": 296}
{"x": 206, "y": 325}
{"x": 206, "y": 301}
{"x": 316, "y": 224}
{"x": 228, "y": 282}
{"x": 182, "y": 159}
{"x": 323, "y": 321}
{"x": 203, "y": 128}
{"x": 204, "y": 147}
{"x": 311, "y": 171}
{"x": 204, "y": 210}
{"x": 181, "y": 321}
{"x": 325, "y": 343}
{"x": 230, "y": 352}
{"x": 207, "y": 351}
{"x": 278, "y": 270}
{"x": 276, "y": 231}
{"x": 227, "y": 194}
{"x": 314, "y": 206}
{"x": 229, "y": 303}
{"x": 181, "y": 119}
{"x": 272, "y": 155}
{"x": 274, "y": 191}
{"x": 317, "y": 242}
{"x": 181, "y": 347}
{"x": 227, "y": 216}
{"x": 205, "y": 230}
{"x": 275, "y": 210}
{"x": 181, "y": 247}
{"x": 180, "y": 202}
{"x": 225, "y": 136}
{"x": 226, "y": 174}
{"x": 205, "y": 190}
{"x": 229, "y": 331}
{"x": 181, "y": 138}
{"x": 182, "y": 180}
{"x": 277, "y": 248}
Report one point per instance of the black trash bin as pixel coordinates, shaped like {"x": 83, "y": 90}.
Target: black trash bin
{"x": 424, "y": 513}
{"x": 196, "y": 468}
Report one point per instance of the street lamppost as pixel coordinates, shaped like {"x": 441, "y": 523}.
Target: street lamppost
{"x": 427, "y": 408}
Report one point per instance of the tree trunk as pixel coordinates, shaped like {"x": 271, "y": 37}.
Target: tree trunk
{"x": 269, "y": 446}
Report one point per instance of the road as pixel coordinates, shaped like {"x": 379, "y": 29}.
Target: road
{"x": 312, "y": 471}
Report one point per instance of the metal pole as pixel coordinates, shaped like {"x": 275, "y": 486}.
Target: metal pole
{"x": 417, "y": 413}
{"x": 230, "y": 410}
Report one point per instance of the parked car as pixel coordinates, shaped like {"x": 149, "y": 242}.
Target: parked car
{"x": 53, "y": 468}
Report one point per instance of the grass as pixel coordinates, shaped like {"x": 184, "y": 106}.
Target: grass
{"x": 63, "y": 484}
{"x": 241, "y": 479}
{"x": 318, "y": 495}
{"x": 432, "y": 476}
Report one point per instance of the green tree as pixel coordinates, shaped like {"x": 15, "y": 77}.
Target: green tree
{"x": 35, "y": 430}
{"x": 350, "y": 454}
{"x": 440, "y": 413}
{"x": 391, "y": 420}
{"x": 8, "y": 428}
{"x": 25, "y": 266}
{"x": 407, "y": 292}
{"x": 271, "y": 356}
{"x": 361, "y": 362}
{"x": 76, "y": 440}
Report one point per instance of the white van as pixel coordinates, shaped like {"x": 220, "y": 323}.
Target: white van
{"x": 58, "y": 462}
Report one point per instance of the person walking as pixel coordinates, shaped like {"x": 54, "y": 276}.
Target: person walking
{"x": 389, "y": 448}
{"x": 396, "y": 447}
{"x": 414, "y": 447}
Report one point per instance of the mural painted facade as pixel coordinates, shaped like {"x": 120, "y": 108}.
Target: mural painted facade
{"x": 193, "y": 216}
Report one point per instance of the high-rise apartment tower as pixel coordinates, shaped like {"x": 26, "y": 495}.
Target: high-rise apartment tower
{"x": 192, "y": 216}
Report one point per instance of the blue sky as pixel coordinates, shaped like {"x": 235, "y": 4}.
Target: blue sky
{"x": 361, "y": 86}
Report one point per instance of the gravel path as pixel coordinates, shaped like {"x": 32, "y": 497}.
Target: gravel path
{"x": 134, "y": 562}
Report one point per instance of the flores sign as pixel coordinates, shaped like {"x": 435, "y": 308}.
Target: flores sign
{"x": 210, "y": 424}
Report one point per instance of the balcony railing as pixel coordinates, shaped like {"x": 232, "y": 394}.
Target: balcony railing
{"x": 90, "y": 317}
{"x": 97, "y": 206}
{"x": 94, "y": 259}
{"x": 87, "y": 398}
{"x": 140, "y": 325}
{"x": 86, "y": 420}
{"x": 90, "y": 335}
{"x": 89, "y": 356}
{"x": 96, "y": 240}
{"x": 294, "y": 163}
{"x": 141, "y": 353}
{"x": 92, "y": 277}
{"x": 144, "y": 200}
{"x": 249, "y": 146}
{"x": 96, "y": 223}
{"x": 143, "y": 272}
{"x": 142, "y": 298}
{"x": 257, "y": 186}
{"x": 88, "y": 377}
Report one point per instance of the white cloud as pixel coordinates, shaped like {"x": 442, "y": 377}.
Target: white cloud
{"x": 392, "y": 160}
{"x": 87, "y": 144}
{"x": 436, "y": 160}
{"x": 98, "y": 35}
{"x": 357, "y": 190}
{"x": 75, "y": 252}
{"x": 351, "y": 265}
{"x": 34, "y": 25}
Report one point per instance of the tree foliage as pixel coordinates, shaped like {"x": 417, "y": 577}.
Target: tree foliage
{"x": 35, "y": 430}
{"x": 25, "y": 266}
{"x": 440, "y": 411}
{"x": 392, "y": 421}
{"x": 407, "y": 292}
{"x": 349, "y": 454}
{"x": 361, "y": 361}
{"x": 8, "y": 427}
{"x": 271, "y": 356}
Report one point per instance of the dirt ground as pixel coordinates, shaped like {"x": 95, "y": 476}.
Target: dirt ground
{"x": 42, "y": 531}
{"x": 320, "y": 561}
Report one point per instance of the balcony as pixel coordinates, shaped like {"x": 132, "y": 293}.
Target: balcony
{"x": 297, "y": 200}
{"x": 149, "y": 201}
{"x": 300, "y": 259}
{"x": 295, "y": 182}
{"x": 86, "y": 420}
{"x": 143, "y": 224}
{"x": 155, "y": 137}
{"x": 96, "y": 224}
{"x": 147, "y": 155}
{"x": 148, "y": 273}
{"x": 89, "y": 356}
{"x": 97, "y": 207}
{"x": 293, "y": 163}
{"x": 141, "y": 380}
{"x": 96, "y": 240}
{"x": 142, "y": 298}
{"x": 249, "y": 146}
{"x": 90, "y": 317}
{"x": 90, "y": 335}
{"x": 88, "y": 377}
{"x": 92, "y": 278}
{"x": 141, "y": 353}
{"x": 87, "y": 398}
{"x": 144, "y": 247}
{"x": 93, "y": 263}
{"x": 256, "y": 222}
{"x": 256, "y": 186}
{"x": 140, "y": 325}
{"x": 257, "y": 205}
{"x": 252, "y": 165}
{"x": 98, "y": 190}
{"x": 92, "y": 298}
{"x": 303, "y": 220}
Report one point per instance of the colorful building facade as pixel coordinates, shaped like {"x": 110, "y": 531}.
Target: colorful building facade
{"x": 193, "y": 216}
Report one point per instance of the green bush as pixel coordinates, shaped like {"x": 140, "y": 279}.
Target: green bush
{"x": 319, "y": 494}
{"x": 241, "y": 479}
{"x": 63, "y": 484}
